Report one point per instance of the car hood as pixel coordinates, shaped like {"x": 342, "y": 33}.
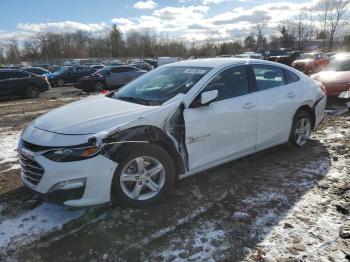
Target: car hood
{"x": 91, "y": 115}
{"x": 332, "y": 77}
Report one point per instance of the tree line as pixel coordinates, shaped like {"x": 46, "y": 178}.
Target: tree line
{"x": 326, "y": 26}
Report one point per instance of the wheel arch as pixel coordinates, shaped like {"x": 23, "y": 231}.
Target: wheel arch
{"x": 310, "y": 111}
{"x": 128, "y": 139}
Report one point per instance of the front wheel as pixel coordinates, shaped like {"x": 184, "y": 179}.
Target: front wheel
{"x": 60, "y": 82}
{"x": 98, "y": 87}
{"x": 146, "y": 174}
{"x": 301, "y": 128}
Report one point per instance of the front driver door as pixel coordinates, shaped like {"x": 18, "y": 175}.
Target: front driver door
{"x": 227, "y": 127}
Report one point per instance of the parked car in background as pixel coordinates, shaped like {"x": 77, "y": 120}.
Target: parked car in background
{"x": 175, "y": 121}
{"x": 310, "y": 63}
{"x": 109, "y": 77}
{"x": 69, "y": 74}
{"x": 116, "y": 63}
{"x": 141, "y": 65}
{"x": 36, "y": 70}
{"x": 336, "y": 75}
{"x": 167, "y": 60}
{"x": 250, "y": 55}
{"x": 282, "y": 56}
{"x": 96, "y": 67}
{"x": 152, "y": 62}
{"x": 22, "y": 83}
{"x": 46, "y": 66}
{"x": 55, "y": 68}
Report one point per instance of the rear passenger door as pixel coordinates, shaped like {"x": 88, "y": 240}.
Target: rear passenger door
{"x": 277, "y": 96}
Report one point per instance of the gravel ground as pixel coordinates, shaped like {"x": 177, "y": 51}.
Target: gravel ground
{"x": 282, "y": 204}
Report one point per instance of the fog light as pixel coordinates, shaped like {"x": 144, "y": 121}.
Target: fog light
{"x": 69, "y": 184}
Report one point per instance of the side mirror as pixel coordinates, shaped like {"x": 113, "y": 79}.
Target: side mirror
{"x": 207, "y": 97}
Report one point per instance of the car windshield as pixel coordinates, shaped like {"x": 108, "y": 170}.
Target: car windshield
{"x": 307, "y": 56}
{"x": 161, "y": 84}
{"x": 61, "y": 70}
{"x": 336, "y": 64}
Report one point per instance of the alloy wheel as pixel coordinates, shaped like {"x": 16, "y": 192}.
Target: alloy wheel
{"x": 60, "y": 82}
{"x": 302, "y": 131}
{"x": 32, "y": 92}
{"x": 98, "y": 87}
{"x": 142, "y": 178}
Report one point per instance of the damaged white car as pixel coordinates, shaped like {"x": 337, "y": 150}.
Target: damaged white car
{"x": 175, "y": 121}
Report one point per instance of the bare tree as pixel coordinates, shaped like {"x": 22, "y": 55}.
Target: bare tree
{"x": 303, "y": 29}
{"x": 261, "y": 41}
{"x": 333, "y": 13}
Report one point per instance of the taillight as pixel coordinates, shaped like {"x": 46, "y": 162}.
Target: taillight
{"x": 43, "y": 77}
{"x": 324, "y": 89}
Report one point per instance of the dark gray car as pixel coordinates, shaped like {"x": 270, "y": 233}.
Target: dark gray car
{"x": 109, "y": 77}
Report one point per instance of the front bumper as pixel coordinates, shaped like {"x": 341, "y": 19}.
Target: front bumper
{"x": 59, "y": 196}
{"x": 97, "y": 172}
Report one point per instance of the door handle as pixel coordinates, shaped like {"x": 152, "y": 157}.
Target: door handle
{"x": 248, "y": 105}
{"x": 291, "y": 94}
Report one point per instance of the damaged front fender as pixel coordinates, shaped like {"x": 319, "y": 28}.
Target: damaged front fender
{"x": 164, "y": 127}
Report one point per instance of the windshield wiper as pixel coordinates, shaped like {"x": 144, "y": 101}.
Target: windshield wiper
{"x": 133, "y": 99}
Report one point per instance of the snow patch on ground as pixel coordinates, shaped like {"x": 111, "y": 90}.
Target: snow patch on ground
{"x": 204, "y": 238}
{"x": 8, "y": 145}
{"x": 332, "y": 133}
{"x": 28, "y": 113}
{"x": 30, "y": 225}
{"x": 313, "y": 234}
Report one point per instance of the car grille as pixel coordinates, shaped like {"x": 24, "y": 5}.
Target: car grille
{"x": 32, "y": 171}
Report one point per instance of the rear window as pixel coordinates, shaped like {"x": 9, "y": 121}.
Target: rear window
{"x": 268, "y": 77}
{"x": 290, "y": 77}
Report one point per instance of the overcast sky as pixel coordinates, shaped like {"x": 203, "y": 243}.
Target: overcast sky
{"x": 180, "y": 19}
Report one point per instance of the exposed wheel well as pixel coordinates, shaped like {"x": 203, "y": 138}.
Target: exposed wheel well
{"x": 310, "y": 111}
{"x": 150, "y": 134}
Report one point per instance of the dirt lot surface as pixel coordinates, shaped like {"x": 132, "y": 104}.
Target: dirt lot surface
{"x": 282, "y": 204}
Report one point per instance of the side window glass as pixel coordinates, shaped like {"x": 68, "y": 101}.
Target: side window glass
{"x": 18, "y": 75}
{"x": 290, "y": 77}
{"x": 268, "y": 77}
{"x": 230, "y": 83}
{"x": 116, "y": 70}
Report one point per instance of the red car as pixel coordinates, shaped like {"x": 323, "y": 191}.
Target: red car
{"x": 310, "y": 63}
{"x": 336, "y": 76}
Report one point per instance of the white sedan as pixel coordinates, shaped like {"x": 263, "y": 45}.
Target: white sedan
{"x": 175, "y": 121}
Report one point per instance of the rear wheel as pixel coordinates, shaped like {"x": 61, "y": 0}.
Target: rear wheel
{"x": 146, "y": 174}
{"x": 32, "y": 92}
{"x": 301, "y": 128}
{"x": 60, "y": 82}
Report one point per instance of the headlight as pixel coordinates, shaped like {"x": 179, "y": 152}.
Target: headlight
{"x": 72, "y": 154}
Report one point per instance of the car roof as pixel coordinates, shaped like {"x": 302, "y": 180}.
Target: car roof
{"x": 218, "y": 62}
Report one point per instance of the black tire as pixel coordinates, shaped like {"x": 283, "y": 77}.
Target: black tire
{"x": 143, "y": 150}
{"x": 293, "y": 137}
{"x": 98, "y": 87}
{"x": 31, "y": 92}
{"x": 60, "y": 82}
